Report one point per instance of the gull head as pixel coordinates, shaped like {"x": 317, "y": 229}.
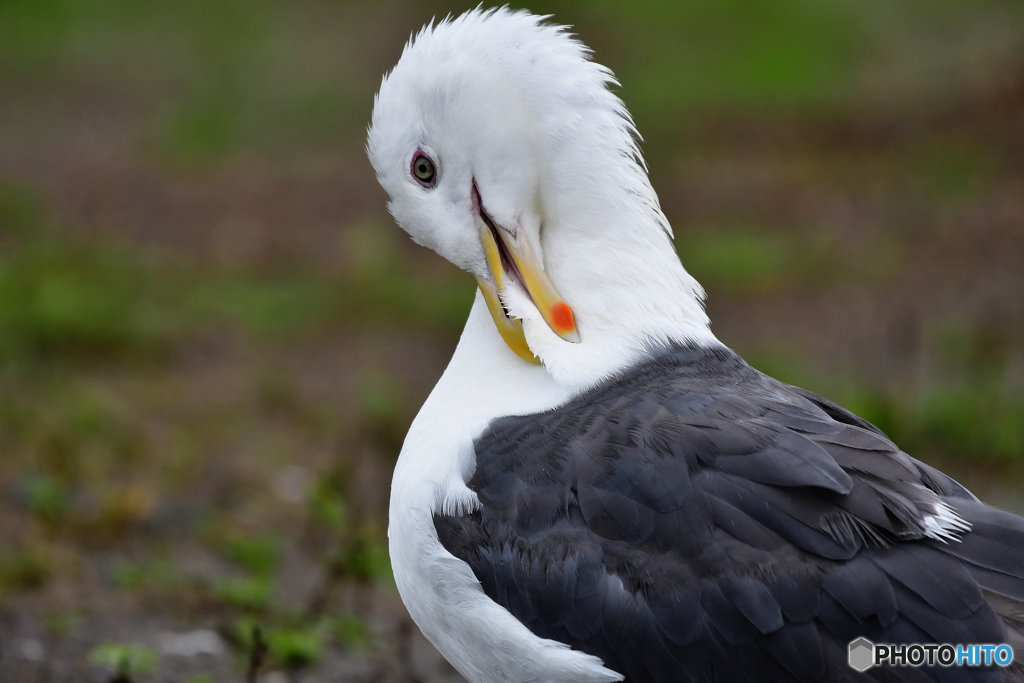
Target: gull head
{"x": 502, "y": 148}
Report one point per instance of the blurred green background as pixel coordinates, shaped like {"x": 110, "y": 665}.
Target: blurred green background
{"x": 213, "y": 338}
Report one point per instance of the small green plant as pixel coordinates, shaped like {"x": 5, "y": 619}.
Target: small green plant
{"x": 350, "y": 629}
{"x": 295, "y": 647}
{"x": 243, "y": 632}
{"x": 327, "y": 501}
{"x": 62, "y": 624}
{"x": 249, "y": 593}
{"x": 46, "y": 498}
{"x": 365, "y": 558}
{"x": 248, "y": 634}
{"x": 129, "y": 575}
{"x": 257, "y": 555}
{"x": 125, "y": 660}
{"x": 151, "y": 574}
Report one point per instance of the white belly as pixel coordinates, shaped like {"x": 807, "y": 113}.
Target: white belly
{"x": 479, "y": 637}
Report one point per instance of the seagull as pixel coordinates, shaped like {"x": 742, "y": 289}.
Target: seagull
{"x": 598, "y": 489}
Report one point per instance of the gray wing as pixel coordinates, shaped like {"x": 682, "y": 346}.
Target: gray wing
{"x": 697, "y": 520}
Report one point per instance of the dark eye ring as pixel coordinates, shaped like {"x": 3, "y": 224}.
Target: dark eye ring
{"x": 423, "y": 169}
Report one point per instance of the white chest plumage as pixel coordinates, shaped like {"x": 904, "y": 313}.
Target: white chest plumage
{"x": 480, "y": 638}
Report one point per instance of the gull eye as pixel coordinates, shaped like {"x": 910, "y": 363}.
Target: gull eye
{"x": 423, "y": 170}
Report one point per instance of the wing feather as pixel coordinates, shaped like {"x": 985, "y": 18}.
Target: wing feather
{"x": 694, "y": 520}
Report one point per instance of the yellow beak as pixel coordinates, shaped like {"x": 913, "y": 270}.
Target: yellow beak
{"x": 556, "y": 313}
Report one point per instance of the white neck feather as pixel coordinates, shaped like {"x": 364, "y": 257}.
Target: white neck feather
{"x": 606, "y": 245}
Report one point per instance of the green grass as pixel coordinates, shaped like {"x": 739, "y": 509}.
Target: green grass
{"x": 291, "y": 644}
{"x": 975, "y": 420}
{"x": 746, "y": 260}
{"x": 362, "y": 557}
{"x": 125, "y": 660}
{"x": 57, "y": 297}
{"x": 64, "y": 433}
{"x": 70, "y": 300}
{"x": 328, "y": 501}
{"x": 252, "y": 594}
{"x": 85, "y": 462}
{"x": 153, "y": 573}
{"x": 222, "y": 78}
{"x": 734, "y": 54}
{"x": 352, "y": 631}
{"x": 46, "y": 498}
{"x": 62, "y": 296}
{"x": 259, "y": 556}
{"x": 296, "y": 647}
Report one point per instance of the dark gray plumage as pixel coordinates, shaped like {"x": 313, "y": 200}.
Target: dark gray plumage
{"x": 696, "y": 520}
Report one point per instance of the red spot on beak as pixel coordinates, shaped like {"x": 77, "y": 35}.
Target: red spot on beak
{"x": 562, "y": 318}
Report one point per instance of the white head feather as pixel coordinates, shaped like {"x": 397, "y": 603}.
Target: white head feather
{"x": 501, "y": 98}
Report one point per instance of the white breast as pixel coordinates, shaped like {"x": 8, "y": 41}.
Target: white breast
{"x": 479, "y": 637}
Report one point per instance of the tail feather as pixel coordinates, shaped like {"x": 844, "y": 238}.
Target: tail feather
{"x": 993, "y": 552}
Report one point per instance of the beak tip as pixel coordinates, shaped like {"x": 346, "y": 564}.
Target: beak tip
{"x": 563, "y": 321}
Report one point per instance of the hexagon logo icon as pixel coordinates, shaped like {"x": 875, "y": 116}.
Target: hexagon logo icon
{"x": 862, "y": 654}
